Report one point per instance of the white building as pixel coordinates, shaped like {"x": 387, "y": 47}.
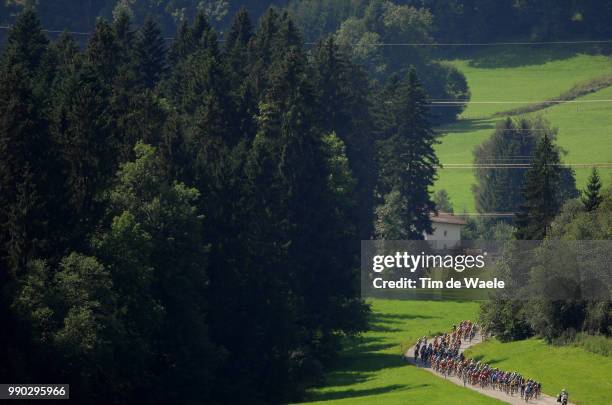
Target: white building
{"x": 446, "y": 230}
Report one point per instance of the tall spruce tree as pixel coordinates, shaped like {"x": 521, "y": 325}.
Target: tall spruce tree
{"x": 262, "y": 50}
{"x": 66, "y": 51}
{"x": 407, "y": 159}
{"x": 182, "y": 45}
{"x": 29, "y": 168}
{"x": 84, "y": 128}
{"x": 542, "y": 196}
{"x": 104, "y": 52}
{"x": 150, "y": 54}
{"x": 235, "y": 58}
{"x": 124, "y": 32}
{"x": 592, "y": 197}
{"x": 236, "y": 47}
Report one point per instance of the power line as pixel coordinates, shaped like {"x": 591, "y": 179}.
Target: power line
{"x": 548, "y": 164}
{"x": 470, "y": 166}
{"x": 441, "y": 130}
{"x": 487, "y": 214}
{"x": 463, "y": 102}
{"x": 425, "y": 44}
{"x": 406, "y": 44}
{"x": 8, "y": 27}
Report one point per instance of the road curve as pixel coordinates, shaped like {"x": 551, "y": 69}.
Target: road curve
{"x": 502, "y": 396}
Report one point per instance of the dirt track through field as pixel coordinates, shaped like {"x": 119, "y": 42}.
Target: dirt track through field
{"x": 502, "y": 396}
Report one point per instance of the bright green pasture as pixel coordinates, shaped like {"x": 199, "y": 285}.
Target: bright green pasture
{"x": 586, "y": 376}
{"x": 585, "y": 130}
{"x": 528, "y": 83}
{"x": 371, "y": 370}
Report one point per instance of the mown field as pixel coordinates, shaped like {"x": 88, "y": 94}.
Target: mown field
{"x": 586, "y": 376}
{"x": 585, "y": 130}
{"x": 371, "y": 369}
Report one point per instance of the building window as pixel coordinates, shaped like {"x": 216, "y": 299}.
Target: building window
{"x": 445, "y": 233}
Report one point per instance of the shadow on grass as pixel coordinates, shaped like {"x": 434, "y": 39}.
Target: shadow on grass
{"x": 478, "y": 357}
{"x": 326, "y": 396}
{"x": 383, "y": 322}
{"x": 468, "y": 125}
{"x": 360, "y": 366}
{"x": 361, "y": 344}
{"x": 490, "y": 362}
{"x": 386, "y": 317}
{"x": 382, "y": 328}
{"x": 525, "y": 55}
{"x": 371, "y": 362}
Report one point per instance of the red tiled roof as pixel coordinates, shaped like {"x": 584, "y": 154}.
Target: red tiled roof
{"x": 445, "y": 218}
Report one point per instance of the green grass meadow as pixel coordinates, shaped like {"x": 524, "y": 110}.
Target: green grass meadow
{"x": 585, "y": 130}
{"x": 586, "y": 376}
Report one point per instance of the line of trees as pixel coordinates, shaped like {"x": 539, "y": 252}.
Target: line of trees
{"x": 553, "y": 277}
{"x": 181, "y": 224}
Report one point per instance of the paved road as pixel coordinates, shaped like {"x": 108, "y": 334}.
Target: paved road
{"x": 515, "y": 400}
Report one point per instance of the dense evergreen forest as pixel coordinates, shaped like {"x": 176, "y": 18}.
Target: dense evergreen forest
{"x": 180, "y": 221}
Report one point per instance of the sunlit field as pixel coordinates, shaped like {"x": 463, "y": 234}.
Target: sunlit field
{"x": 585, "y": 375}
{"x": 584, "y": 129}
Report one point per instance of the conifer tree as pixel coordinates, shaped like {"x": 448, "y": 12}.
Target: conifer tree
{"x": 236, "y": 48}
{"x": 66, "y": 50}
{"x": 84, "y": 127}
{"x": 443, "y": 201}
{"x": 182, "y": 45}
{"x": 23, "y": 142}
{"x": 26, "y": 45}
{"x": 122, "y": 27}
{"x": 203, "y": 34}
{"x": 173, "y": 149}
{"x": 150, "y": 53}
{"x": 262, "y": 51}
{"x": 408, "y": 161}
{"x": 541, "y": 192}
{"x": 592, "y": 197}
{"x": 200, "y": 26}
{"x": 29, "y": 169}
{"x": 103, "y": 52}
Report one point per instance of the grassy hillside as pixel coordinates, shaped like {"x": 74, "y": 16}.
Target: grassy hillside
{"x": 585, "y": 375}
{"x": 371, "y": 370}
{"x": 583, "y": 128}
